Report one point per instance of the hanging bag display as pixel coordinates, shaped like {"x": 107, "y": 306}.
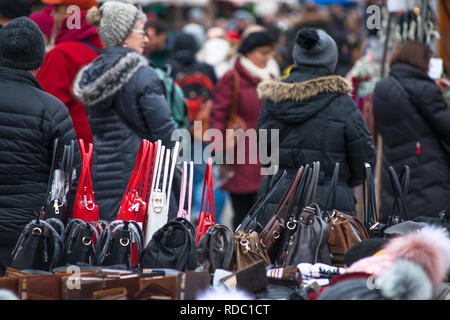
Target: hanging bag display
{"x": 158, "y": 211}
{"x": 206, "y": 218}
{"x": 85, "y": 207}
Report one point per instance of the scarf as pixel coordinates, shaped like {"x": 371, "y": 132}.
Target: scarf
{"x": 252, "y": 69}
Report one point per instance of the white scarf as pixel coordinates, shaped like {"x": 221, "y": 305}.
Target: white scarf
{"x": 250, "y": 67}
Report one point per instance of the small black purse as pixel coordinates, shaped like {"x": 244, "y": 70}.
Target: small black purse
{"x": 79, "y": 238}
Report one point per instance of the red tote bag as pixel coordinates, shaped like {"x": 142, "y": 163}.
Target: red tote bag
{"x": 206, "y": 218}
{"x": 85, "y": 207}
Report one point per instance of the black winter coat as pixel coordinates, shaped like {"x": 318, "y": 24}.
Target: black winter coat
{"x": 30, "y": 120}
{"x": 410, "y": 128}
{"x": 318, "y": 121}
{"x": 124, "y": 102}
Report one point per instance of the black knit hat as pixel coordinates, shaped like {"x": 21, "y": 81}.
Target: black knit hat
{"x": 22, "y": 45}
{"x": 363, "y": 249}
{"x": 15, "y": 8}
{"x": 255, "y": 40}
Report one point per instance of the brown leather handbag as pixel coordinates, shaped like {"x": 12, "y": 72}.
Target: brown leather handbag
{"x": 235, "y": 122}
{"x": 248, "y": 249}
{"x": 276, "y": 226}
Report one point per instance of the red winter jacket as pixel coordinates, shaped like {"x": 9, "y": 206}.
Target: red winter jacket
{"x": 62, "y": 64}
{"x": 247, "y": 177}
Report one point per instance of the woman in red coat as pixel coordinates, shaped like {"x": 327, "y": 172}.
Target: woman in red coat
{"x": 252, "y": 68}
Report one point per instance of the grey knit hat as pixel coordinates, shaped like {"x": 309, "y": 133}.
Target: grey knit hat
{"x": 315, "y": 48}
{"x": 115, "y": 21}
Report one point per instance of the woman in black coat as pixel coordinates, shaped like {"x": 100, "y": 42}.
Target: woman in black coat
{"x": 318, "y": 121}
{"x": 124, "y": 102}
{"x": 412, "y": 117}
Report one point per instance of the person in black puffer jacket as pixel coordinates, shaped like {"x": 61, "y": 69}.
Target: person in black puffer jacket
{"x": 124, "y": 102}
{"x": 318, "y": 121}
{"x": 412, "y": 117}
{"x": 30, "y": 121}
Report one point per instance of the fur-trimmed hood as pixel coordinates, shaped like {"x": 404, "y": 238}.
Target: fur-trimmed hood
{"x": 101, "y": 79}
{"x": 302, "y": 95}
{"x": 277, "y": 91}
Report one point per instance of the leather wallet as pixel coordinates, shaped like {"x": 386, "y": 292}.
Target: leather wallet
{"x": 252, "y": 278}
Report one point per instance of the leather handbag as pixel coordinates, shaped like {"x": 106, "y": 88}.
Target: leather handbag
{"x": 158, "y": 210}
{"x": 276, "y": 226}
{"x": 60, "y": 183}
{"x": 207, "y": 217}
{"x": 134, "y": 202}
{"x": 215, "y": 249}
{"x": 172, "y": 246}
{"x": 121, "y": 239}
{"x": 235, "y": 122}
{"x": 40, "y": 245}
{"x": 182, "y": 213}
{"x": 84, "y": 207}
{"x": 248, "y": 249}
{"x": 308, "y": 182}
{"x": 250, "y": 222}
{"x": 345, "y": 230}
{"x": 79, "y": 244}
{"x": 309, "y": 243}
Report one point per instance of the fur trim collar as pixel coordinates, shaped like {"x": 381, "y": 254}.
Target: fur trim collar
{"x": 277, "y": 91}
{"x": 110, "y": 82}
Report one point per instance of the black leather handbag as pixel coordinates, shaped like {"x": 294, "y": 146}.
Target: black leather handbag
{"x": 39, "y": 246}
{"x": 121, "y": 238}
{"x": 215, "y": 248}
{"x": 79, "y": 238}
{"x": 172, "y": 246}
{"x": 60, "y": 182}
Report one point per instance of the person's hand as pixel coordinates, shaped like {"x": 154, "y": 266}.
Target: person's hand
{"x": 444, "y": 85}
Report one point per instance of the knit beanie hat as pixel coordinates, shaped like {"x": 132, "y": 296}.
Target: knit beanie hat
{"x": 22, "y": 45}
{"x": 15, "y": 9}
{"x": 255, "y": 40}
{"x": 315, "y": 48}
{"x": 44, "y": 20}
{"x": 82, "y": 4}
{"x": 115, "y": 21}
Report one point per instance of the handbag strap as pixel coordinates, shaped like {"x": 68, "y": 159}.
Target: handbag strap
{"x": 172, "y": 171}
{"x": 156, "y": 159}
{"x": 400, "y": 188}
{"x": 182, "y": 191}
{"x": 333, "y": 189}
{"x": 370, "y": 208}
{"x": 311, "y": 193}
{"x": 236, "y": 87}
{"x": 291, "y": 194}
{"x": 191, "y": 186}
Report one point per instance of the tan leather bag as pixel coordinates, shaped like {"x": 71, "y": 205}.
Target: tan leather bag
{"x": 345, "y": 232}
{"x": 248, "y": 249}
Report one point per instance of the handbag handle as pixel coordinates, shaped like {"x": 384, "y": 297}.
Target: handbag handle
{"x": 208, "y": 186}
{"x": 172, "y": 170}
{"x": 370, "y": 208}
{"x": 311, "y": 193}
{"x": 290, "y": 195}
{"x": 399, "y": 192}
{"x": 181, "y": 212}
{"x": 333, "y": 189}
